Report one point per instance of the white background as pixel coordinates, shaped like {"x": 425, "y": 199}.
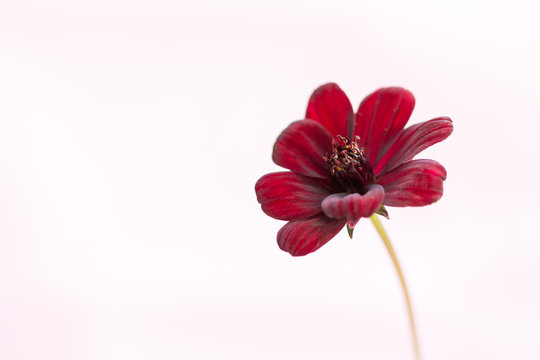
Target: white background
{"x": 132, "y": 134}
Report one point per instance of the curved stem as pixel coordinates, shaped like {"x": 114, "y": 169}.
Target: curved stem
{"x": 386, "y": 240}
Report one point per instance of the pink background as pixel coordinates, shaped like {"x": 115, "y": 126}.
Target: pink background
{"x": 131, "y": 137}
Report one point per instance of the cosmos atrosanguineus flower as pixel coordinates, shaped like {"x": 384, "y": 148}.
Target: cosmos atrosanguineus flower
{"x": 345, "y": 166}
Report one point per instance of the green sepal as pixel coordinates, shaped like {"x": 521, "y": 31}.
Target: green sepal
{"x": 350, "y": 230}
{"x": 382, "y": 211}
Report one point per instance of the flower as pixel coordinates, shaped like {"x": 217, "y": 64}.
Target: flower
{"x": 346, "y": 166}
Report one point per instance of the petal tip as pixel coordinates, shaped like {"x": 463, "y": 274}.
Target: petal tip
{"x": 353, "y": 206}
{"x": 302, "y": 237}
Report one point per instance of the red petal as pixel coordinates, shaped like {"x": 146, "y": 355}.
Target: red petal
{"x": 412, "y": 141}
{"x": 380, "y": 118}
{"x": 353, "y": 206}
{"x": 331, "y": 108}
{"x": 301, "y": 148}
{"x": 415, "y": 183}
{"x": 301, "y": 237}
{"x": 289, "y": 196}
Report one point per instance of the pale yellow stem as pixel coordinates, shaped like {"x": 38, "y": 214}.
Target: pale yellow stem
{"x": 386, "y": 240}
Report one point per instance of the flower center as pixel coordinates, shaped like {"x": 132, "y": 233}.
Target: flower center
{"x": 349, "y": 166}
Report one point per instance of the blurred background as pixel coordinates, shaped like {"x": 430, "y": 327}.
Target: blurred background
{"x": 132, "y": 134}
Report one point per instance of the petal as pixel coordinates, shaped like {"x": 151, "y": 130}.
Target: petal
{"x": 353, "y": 206}
{"x": 415, "y": 183}
{"x": 331, "y": 108}
{"x": 289, "y": 196}
{"x": 301, "y": 237}
{"x": 412, "y": 141}
{"x": 380, "y": 118}
{"x": 301, "y": 148}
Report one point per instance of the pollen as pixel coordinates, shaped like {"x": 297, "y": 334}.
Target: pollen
{"x": 349, "y": 166}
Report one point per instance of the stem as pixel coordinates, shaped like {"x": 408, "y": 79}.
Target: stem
{"x": 386, "y": 240}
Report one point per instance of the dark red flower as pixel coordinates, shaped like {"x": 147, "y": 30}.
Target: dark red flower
{"x": 346, "y": 166}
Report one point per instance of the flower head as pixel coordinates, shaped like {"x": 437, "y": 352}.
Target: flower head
{"x": 345, "y": 166}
